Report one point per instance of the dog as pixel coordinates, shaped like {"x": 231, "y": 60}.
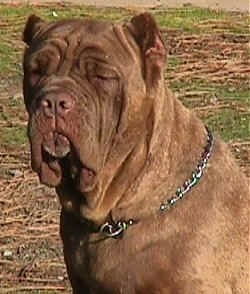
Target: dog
{"x": 152, "y": 202}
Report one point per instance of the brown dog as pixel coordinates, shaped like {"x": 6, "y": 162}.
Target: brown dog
{"x": 116, "y": 145}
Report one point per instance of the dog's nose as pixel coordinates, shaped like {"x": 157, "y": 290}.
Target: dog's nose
{"x": 56, "y": 104}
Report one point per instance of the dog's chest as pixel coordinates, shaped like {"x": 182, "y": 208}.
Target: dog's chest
{"x": 90, "y": 256}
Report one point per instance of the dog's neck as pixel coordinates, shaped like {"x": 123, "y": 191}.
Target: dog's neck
{"x": 130, "y": 154}
{"x": 124, "y": 166}
{"x": 175, "y": 149}
{"x": 138, "y": 157}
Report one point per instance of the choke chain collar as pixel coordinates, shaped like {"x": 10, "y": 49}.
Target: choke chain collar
{"x": 116, "y": 229}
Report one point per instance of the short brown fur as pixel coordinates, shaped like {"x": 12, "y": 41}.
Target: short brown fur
{"x": 127, "y": 144}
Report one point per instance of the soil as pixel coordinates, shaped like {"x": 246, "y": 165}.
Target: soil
{"x": 31, "y": 259}
{"x": 240, "y": 5}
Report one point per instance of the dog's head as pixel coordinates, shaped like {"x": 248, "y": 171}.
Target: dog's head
{"x": 87, "y": 84}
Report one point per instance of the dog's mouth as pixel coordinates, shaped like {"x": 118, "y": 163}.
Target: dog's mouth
{"x": 62, "y": 163}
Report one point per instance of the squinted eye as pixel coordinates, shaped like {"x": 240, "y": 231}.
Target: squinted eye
{"x": 36, "y": 70}
{"x": 104, "y": 78}
{"x": 44, "y": 63}
{"x": 35, "y": 75}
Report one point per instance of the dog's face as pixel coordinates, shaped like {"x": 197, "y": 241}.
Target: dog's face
{"x": 85, "y": 84}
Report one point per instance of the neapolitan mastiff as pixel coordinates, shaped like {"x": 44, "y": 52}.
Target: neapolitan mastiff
{"x": 151, "y": 202}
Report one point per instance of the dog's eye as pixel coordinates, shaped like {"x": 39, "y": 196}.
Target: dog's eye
{"x": 36, "y": 69}
{"x": 103, "y": 78}
{"x": 100, "y": 72}
{"x": 42, "y": 64}
{"x": 35, "y": 74}
{"x": 105, "y": 85}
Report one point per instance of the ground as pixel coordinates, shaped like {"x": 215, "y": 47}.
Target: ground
{"x": 239, "y": 5}
{"x": 208, "y": 68}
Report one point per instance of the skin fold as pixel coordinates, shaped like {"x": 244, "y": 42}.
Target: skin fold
{"x": 113, "y": 140}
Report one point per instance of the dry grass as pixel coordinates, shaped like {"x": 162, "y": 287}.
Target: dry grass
{"x": 208, "y": 69}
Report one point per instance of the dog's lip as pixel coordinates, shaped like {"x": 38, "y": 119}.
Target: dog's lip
{"x": 66, "y": 162}
{"x": 56, "y": 145}
{"x": 81, "y": 173}
{"x": 50, "y": 173}
{"x": 86, "y": 180}
{"x": 56, "y": 155}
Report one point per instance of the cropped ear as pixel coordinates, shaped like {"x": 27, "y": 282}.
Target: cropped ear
{"x": 33, "y": 25}
{"x": 147, "y": 35}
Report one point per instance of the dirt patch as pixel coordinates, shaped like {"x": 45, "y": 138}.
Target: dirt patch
{"x": 208, "y": 68}
{"x": 241, "y": 5}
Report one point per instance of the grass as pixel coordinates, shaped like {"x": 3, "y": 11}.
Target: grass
{"x": 13, "y": 136}
{"x": 173, "y": 62}
{"x": 176, "y": 24}
{"x": 238, "y": 95}
{"x": 225, "y": 110}
{"x": 208, "y": 68}
{"x": 6, "y": 56}
{"x": 231, "y": 124}
{"x": 12, "y": 23}
{"x": 189, "y": 21}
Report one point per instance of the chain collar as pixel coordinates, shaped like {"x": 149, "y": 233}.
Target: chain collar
{"x": 116, "y": 229}
{"x": 195, "y": 177}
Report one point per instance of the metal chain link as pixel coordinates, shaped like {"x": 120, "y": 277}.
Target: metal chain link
{"x": 195, "y": 177}
{"x": 115, "y": 230}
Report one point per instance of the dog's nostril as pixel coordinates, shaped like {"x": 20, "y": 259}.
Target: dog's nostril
{"x": 45, "y": 103}
{"x": 47, "y": 106}
{"x": 65, "y": 104}
{"x": 54, "y": 104}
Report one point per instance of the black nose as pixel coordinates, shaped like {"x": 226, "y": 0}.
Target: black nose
{"x": 56, "y": 104}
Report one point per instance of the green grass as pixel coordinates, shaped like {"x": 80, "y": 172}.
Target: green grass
{"x": 54, "y": 13}
{"x": 233, "y": 94}
{"x": 231, "y": 123}
{"x": 230, "y": 94}
{"x": 188, "y": 19}
{"x": 13, "y": 19}
{"x": 222, "y": 105}
{"x": 13, "y": 136}
{"x": 173, "y": 62}
{"x": 6, "y": 57}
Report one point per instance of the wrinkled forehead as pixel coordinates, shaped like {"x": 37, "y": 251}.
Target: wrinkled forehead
{"x": 65, "y": 28}
{"x": 98, "y": 38}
